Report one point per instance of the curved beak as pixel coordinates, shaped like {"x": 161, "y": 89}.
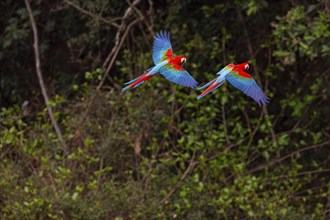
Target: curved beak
{"x": 183, "y": 60}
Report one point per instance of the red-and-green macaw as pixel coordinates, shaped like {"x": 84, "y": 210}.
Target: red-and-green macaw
{"x": 241, "y": 80}
{"x": 165, "y": 63}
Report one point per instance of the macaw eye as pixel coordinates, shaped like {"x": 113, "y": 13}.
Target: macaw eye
{"x": 183, "y": 60}
{"x": 246, "y": 66}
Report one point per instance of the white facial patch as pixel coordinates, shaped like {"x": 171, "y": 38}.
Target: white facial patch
{"x": 183, "y": 60}
{"x": 246, "y": 66}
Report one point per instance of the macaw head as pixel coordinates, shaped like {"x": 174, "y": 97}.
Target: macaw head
{"x": 243, "y": 66}
{"x": 180, "y": 60}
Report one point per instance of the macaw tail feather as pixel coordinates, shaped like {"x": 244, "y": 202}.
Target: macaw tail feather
{"x": 210, "y": 89}
{"x": 136, "y": 82}
{"x": 206, "y": 85}
{"x": 133, "y": 80}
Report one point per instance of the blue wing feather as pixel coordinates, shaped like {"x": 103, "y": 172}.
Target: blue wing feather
{"x": 181, "y": 77}
{"x": 161, "y": 45}
{"x": 248, "y": 86}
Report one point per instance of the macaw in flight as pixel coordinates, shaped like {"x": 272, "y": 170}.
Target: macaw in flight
{"x": 165, "y": 63}
{"x": 241, "y": 80}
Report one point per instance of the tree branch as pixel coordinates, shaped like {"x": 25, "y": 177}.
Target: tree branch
{"x": 110, "y": 22}
{"x": 278, "y": 160}
{"x": 127, "y": 13}
{"x": 40, "y": 78}
{"x": 117, "y": 49}
{"x": 141, "y": 15}
{"x": 119, "y": 40}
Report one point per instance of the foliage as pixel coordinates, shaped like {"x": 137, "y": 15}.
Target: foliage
{"x": 156, "y": 152}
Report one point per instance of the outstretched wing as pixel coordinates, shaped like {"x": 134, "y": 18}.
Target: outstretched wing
{"x": 244, "y": 82}
{"x": 162, "y": 48}
{"x": 178, "y": 75}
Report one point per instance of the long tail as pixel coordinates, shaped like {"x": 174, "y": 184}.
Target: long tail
{"x": 206, "y": 85}
{"x": 213, "y": 85}
{"x": 138, "y": 81}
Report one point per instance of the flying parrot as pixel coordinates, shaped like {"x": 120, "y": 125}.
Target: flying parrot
{"x": 165, "y": 63}
{"x": 241, "y": 80}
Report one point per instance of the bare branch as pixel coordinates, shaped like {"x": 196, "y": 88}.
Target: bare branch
{"x": 298, "y": 174}
{"x": 141, "y": 15}
{"x": 117, "y": 50}
{"x": 150, "y": 15}
{"x": 40, "y": 78}
{"x": 271, "y": 163}
{"x": 95, "y": 16}
{"x": 121, "y": 28}
{"x": 119, "y": 40}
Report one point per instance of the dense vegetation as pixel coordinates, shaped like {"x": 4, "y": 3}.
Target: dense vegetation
{"x": 156, "y": 152}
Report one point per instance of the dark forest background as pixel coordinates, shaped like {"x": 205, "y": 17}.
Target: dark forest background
{"x": 156, "y": 152}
